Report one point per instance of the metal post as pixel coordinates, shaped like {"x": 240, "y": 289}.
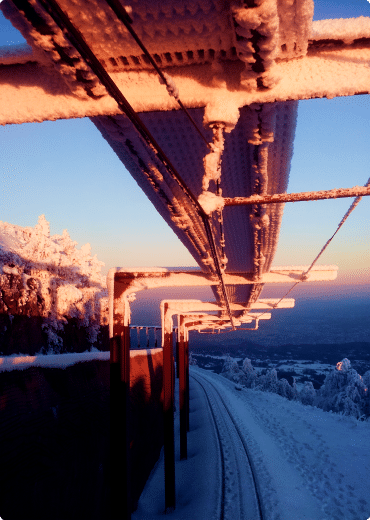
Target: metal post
{"x": 182, "y": 390}
{"x": 120, "y": 467}
{"x": 120, "y": 476}
{"x": 168, "y": 409}
{"x": 177, "y": 351}
{"x": 187, "y": 402}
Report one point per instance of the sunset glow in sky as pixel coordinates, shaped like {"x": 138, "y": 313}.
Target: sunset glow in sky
{"x": 67, "y": 171}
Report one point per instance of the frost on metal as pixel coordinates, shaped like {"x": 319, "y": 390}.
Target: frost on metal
{"x": 267, "y": 31}
{"x": 48, "y": 277}
{"x": 51, "y": 46}
{"x": 170, "y": 85}
{"x": 212, "y": 161}
{"x": 210, "y": 202}
{"x": 345, "y": 29}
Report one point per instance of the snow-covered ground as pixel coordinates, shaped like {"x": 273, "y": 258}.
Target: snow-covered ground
{"x": 310, "y": 464}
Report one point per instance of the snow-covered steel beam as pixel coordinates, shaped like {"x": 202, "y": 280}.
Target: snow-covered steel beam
{"x": 32, "y": 92}
{"x": 135, "y": 280}
{"x": 205, "y": 322}
{"x": 264, "y": 303}
{"x": 195, "y": 306}
{"x": 269, "y": 303}
{"x": 356, "y": 191}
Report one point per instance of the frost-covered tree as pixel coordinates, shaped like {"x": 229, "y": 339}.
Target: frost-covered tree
{"x": 192, "y": 360}
{"x": 366, "y": 381}
{"x": 232, "y": 371}
{"x": 268, "y": 382}
{"x": 285, "y": 390}
{"x": 343, "y": 391}
{"x": 250, "y": 375}
{"x": 48, "y": 278}
{"x": 307, "y": 394}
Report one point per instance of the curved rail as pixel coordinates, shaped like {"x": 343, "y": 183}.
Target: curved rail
{"x": 240, "y": 494}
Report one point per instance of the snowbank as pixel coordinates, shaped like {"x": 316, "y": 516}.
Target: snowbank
{"x": 47, "y": 278}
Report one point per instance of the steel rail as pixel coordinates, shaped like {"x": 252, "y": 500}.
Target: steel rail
{"x": 221, "y": 451}
{"x": 277, "y": 198}
{"x": 78, "y": 41}
{"x": 242, "y": 440}
{"x": 126, "y": 19}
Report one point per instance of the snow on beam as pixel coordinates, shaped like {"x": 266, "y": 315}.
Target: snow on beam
{"x": 33, "y": 93}
{"x": 20, "y": 362}
{"x": 209, "y": 322}
{"x": 136, "y": 280}
{"x": 356, "y": 191}
{"x": 269, "y": 303}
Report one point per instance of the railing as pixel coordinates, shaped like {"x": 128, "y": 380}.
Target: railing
{"x": 146, "y": 336}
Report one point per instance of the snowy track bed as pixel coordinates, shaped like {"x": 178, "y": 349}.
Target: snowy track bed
{"x": 239, "y": 494}
{"x": 309, "y": 464}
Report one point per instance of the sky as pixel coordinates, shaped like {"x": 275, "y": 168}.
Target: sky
{"x": 67, "y": 171}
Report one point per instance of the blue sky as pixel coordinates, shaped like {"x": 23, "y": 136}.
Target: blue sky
{"x": 67, "y": 171}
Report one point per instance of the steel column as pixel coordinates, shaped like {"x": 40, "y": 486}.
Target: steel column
{"x": 120, "y": 467}
{"x": 177, "y": 355}
{"x": 182, "y": 390}
{"x": 168, "y": 409}
{"x": 187, "y": 382}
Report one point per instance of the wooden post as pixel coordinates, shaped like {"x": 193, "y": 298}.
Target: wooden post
{"x": 168, "y": 409}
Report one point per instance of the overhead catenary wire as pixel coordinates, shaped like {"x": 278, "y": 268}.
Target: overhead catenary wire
{"x": 305, "y": 274}
{"x": 78, "y": 41}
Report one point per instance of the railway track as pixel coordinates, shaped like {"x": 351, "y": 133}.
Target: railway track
{"x": 239, "y": 493}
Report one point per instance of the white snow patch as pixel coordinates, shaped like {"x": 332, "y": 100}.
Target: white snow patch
{"x": 211, "y": 202}
{"x": 22, "y": 362}
{"x": 346, "y": 29}
{"x": 309, "y": 464}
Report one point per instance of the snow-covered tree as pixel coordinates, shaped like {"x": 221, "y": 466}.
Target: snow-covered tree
{"x": 285, "y": 390}
{"x": 366, "y": 381}
{"x": 307, "y": 394}
{"x": 268, "y": 382}
{"x": 343, "y": 391}
{"x": 249, "y": 372}
{"x": 192, "y": 360}
{"x": 48, "y": 278}
{"x": 231, "y": 370}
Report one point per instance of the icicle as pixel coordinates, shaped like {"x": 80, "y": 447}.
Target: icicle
{"x": 212, "y": 161}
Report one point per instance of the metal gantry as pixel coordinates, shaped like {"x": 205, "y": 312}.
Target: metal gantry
{"x": 191, "y": 314}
